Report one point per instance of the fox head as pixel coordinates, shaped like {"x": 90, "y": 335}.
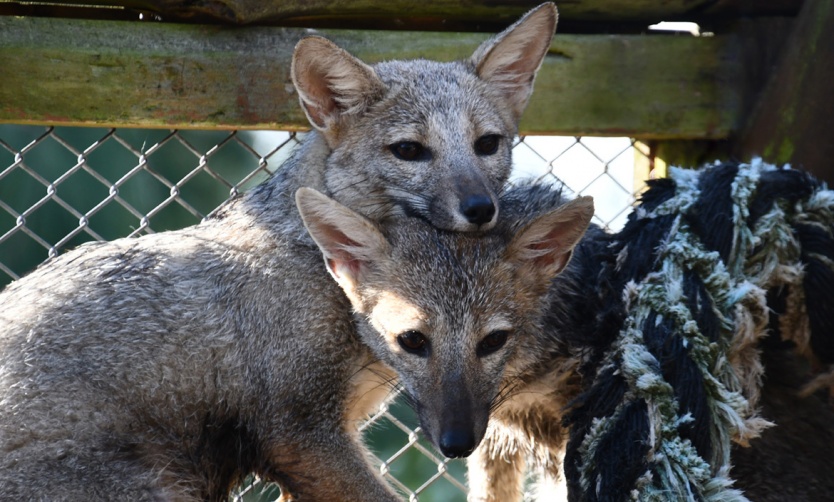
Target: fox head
{"x": 451, "y": 313}
{"x": 422, "y": 138}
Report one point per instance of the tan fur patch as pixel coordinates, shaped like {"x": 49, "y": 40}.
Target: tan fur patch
{"x": 393, "y": 315}
{"x": 370, "y": 385}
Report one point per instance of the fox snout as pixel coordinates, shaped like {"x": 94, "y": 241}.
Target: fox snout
{"x": 457, "y": 441}
{"x": 477, "y": 202}
{"x": 465, "y": 203}
{"x": 478, "y": 209}
{"x": 468, "y": 211}
{"x": 458, "y": 426}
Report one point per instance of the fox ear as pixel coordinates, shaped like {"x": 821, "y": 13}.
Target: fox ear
{"x": 544, "y": 247}
{"x": 509, "y": 61}
{"x": 351, "y": 244}
{"x": 331, "y": 83}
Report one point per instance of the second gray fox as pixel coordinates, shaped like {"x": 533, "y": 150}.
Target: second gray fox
{"x": 456, "y": 317}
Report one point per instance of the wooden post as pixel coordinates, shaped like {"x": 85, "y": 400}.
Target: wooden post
{"x": 793, "y": 121}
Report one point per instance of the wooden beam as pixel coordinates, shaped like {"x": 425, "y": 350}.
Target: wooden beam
{"x": 392, "y": 13}
{"x": 793, "y": 121}
{"x": 110, "y": 73}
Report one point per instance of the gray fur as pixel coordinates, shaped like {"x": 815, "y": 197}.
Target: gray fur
{"x": 163, "y": 368}
{"x": 169, "y": 366}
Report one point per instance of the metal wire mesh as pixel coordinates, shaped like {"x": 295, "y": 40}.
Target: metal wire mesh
{"x": 60, "y": 187}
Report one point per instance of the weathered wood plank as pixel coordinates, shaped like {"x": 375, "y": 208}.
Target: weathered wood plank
{"x": 168, "y": 75}
{"x": 793, "y": 121}
{"x": 390, "y": 13}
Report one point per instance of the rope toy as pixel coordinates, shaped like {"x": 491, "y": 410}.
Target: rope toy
{"x": 707, "y": 263}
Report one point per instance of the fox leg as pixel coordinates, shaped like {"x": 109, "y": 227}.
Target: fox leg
{"x": 551, "y": 485}
{"x": 496, "y": 471}
{"x": 497, "y": 468}
{"x": 331, "y": 466}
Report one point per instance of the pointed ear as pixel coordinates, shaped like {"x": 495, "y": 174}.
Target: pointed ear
{"x": 509, "y": 61}
{"x": 351, "y": 244}
{"x": 331, "y": 83}
{"x": 544, "y": 247}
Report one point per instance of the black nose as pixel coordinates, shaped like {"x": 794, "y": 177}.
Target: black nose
{"x": 478, "y": 209}
{"x": 457, "y": 443}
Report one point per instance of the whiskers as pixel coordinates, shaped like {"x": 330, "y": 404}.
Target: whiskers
{"x": 513, "y": 386}
{"x": 352, "y": 184}
{"x": 381, "y": 379}
{"x": 507, "y": 390}
{"x": 361, "y": 193}
{"x": 412, "y": 204}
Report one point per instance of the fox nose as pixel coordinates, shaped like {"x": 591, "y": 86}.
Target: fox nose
{"x": 478, "y": 209}
{"x": 457, "y": 443}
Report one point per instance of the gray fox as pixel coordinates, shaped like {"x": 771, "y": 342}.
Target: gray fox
{"x": 417, "y": 137}
{"x": 447, "y": 314}
{"x": 169, "y": 366}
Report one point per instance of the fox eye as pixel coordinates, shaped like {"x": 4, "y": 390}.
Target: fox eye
{"x": 409, "y": 150}
{"x": 492, "y": 342}
{"x": 487, "y": 145}
{"x": 413, "y": 342}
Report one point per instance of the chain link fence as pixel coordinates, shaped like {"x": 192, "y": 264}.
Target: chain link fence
{"x": 60, "y": 187}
